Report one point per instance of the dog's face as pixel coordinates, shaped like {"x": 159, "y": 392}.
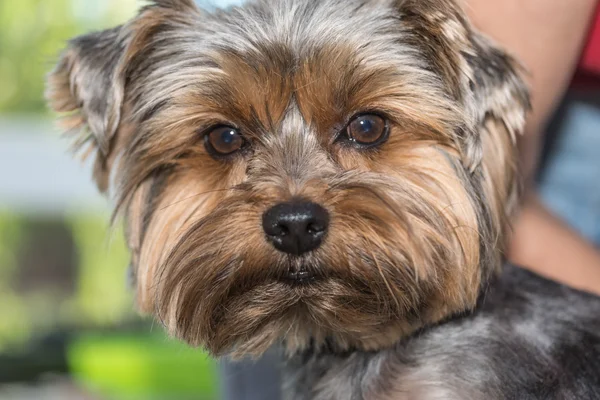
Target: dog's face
{"x": 331, "y": 171}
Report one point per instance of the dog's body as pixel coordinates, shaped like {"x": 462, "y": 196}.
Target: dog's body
{"x": 529, "y": 338}
{"x": 330, "y": 174}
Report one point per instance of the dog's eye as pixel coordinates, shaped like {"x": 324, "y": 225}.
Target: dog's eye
{"x": 367, "y": 130}
{"x": 223, "y": 140}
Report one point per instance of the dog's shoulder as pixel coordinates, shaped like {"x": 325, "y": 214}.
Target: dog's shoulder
{"x": 515, "y": 284}
{"x": 529, "y": 338}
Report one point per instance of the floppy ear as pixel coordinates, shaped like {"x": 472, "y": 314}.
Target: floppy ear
{"x": 496, "y": 89}
{"x": 88, "y": 83}
{"x": 476, "y": 72}
{"x": 487, "y": 83}
{"x": 498, "y": 103}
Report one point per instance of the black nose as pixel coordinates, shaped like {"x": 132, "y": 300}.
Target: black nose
{"x": 296, "y": 227}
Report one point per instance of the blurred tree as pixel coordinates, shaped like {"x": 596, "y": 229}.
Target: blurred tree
{"x": 32, "y": 33}
{"x": 40, "y": 290}
{"x": 102, "y": 294}
{"x": 14, "y": 323}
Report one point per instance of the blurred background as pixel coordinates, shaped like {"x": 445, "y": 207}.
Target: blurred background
{"x": 67, "y": 326}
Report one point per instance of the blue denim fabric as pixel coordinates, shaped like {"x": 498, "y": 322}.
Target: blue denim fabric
{"x": 569, "y": 183}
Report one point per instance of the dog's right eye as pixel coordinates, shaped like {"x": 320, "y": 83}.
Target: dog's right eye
{"x": 223, "y": 141}
{"x": 366, "y": 130}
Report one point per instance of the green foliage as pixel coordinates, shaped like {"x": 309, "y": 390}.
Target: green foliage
{"x": 14, "y": 323}
{"x": 102, "y": 296}
{"x": 119, "y": 366}
{"x": 32, "y": 33}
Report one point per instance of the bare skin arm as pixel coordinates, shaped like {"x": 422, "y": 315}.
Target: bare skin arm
{"x": 547, "y": 36}
{"x": 547, "y": 245}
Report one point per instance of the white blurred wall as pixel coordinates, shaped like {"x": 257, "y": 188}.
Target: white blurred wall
{"x": 37, "y": 173}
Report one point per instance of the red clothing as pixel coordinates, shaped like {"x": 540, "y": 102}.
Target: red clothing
{"x": 588, "y": 72}
{"x": 590, "y": 61}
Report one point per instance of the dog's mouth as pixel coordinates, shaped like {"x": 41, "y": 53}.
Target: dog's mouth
{"x": 300, "y": 276}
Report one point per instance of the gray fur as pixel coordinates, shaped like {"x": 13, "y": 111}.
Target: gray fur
{"x": 529, "y": 338}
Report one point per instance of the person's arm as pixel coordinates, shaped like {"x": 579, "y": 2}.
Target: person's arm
{"x": 547, "y": 36}
{"x": 547, "y": 245}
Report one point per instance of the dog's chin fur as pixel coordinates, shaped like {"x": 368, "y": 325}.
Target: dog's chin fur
{"x": 418, "y": 224}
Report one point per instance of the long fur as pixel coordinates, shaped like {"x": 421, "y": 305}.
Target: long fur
{"x": 418, "y": 225}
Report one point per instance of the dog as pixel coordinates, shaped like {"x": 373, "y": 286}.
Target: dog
{"x": 335, "y": 177}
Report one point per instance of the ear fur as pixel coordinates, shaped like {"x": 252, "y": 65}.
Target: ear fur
{"x": 487, "y": 82}
{"x": 479, "y": 74}
{"x": 88, "y": 83}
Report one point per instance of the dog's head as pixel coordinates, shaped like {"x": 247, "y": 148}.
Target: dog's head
{"x": 334, "y": 170}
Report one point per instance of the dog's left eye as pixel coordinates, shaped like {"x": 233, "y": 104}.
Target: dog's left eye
{"x": 223, "y": 141}
{"x": 367, "y": 130}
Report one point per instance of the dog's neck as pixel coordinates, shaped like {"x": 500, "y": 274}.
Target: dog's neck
{"x": 353, "y": 374}
{"x": 343, "y": 375}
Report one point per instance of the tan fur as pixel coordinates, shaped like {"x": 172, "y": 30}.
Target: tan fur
{"x": 418, "y": 224}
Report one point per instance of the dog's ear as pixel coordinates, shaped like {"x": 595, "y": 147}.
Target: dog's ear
{"x": 476, "y": 72}
{"x": 498, "y": 102}
{"x": 488, "y": 84}
{"x": 496, "y": 89}
{"x": 88, "y": 84}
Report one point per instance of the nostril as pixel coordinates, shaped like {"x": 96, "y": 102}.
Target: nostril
{"x": 315, "y": 228}
{"x": 296, "y": 227}
{"x": 282, "y": 230}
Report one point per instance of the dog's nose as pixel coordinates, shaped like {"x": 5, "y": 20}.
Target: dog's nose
{"x": 296, "y": 227}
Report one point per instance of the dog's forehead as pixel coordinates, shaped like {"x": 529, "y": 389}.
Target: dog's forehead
{"x": 331, "y": 58}
{"x": 302, "y": 24}
{"x": 326, "y": 86}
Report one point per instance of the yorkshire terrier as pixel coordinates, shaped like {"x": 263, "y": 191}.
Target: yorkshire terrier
{"x": 335, "y": 177}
